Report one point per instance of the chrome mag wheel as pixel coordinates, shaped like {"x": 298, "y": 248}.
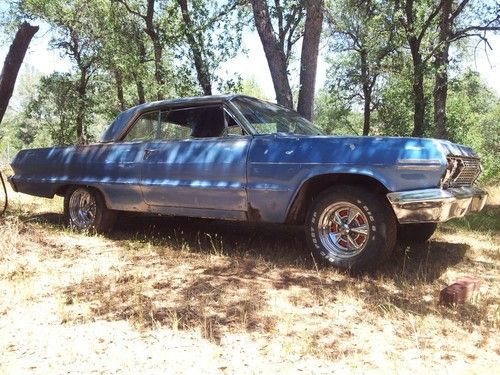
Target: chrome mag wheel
{"x": 343, "y": 229}
{"x": 82, "y": 209}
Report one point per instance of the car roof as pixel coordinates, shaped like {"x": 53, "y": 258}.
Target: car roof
{"x": 189, "y": 100}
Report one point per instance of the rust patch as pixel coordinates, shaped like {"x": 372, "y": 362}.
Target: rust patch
{"x": 253, "y": 214}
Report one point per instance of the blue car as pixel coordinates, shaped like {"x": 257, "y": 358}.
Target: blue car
{"x": 240, "y": 158}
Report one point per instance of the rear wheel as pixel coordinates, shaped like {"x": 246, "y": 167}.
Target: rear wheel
{"x": 85, "y": 210}
{"x": 351, "y": 228}
{"x": 416, "y": 233}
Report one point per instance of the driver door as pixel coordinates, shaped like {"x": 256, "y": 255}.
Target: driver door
{"x": 192, "y": 164}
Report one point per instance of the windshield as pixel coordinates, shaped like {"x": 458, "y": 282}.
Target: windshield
{"x": 267, "y": 118}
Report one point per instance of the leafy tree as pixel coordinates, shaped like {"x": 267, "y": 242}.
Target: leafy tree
{"x": 417, "y": 19}
{"x": 124, "y": 57}
{"x": 474, "y": 120}
{"x": 278, "y": 40}
{"x": 50, "y": 116}
{"x": 458, "y": 20}
{"x": 364, "y": 37}
{"x": 212, "y": 32}
{"x": 251, "y": 87}
{"x": 157, "y": 26}
{"x": 280, "y": 26}
{"x": 78, "y": 30}
{"x": 396, "y": 104}
{"x": 333, "y": 114}
{"x": 52, "y": 111}
{"x": 15, "y": 117}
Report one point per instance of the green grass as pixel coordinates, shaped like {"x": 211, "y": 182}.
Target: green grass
{"x": 487, "y": 220}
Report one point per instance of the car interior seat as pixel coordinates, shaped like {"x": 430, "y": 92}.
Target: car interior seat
{"x": 210, "y": 123}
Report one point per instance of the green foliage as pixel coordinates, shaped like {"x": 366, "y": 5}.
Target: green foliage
{"x": 215, "y": 30}
{"x": 396, "y": 106}
{"x": 395, "y": 109}
{"x": 53, "y": 111}
{"x": 249, "y": 87}
{"x": 78, "y": 26}
{"x": 473, "y": 113}
{"x": 48, "y": 111}
{"x": 333, "y": 114}
{"x": 113, "y": 58}
{"x": 16, "y": 130}
{"x": 363, "y": 39}
{"x": 474, "y": 120}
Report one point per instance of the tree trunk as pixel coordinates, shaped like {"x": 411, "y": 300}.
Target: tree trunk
{"x": 367, "y": 92}
{"x": 158, "y": 52}
{"x": 196, "y": 48}
{"x": 419, "y": 98}
{"x": 309, "y": 57}
{"x": 367, "y": 110}
{"x": 13, "y": 62}
{"x": 137, "y": 76}
{"x": 119, "y": 89}
{"x": 276, "y": 59}
{"x": 441, "y": 75}
{"x": 81, "y": 136}
{"x": 140, "y": 91}
{"x": 418, "y": 88}
{"x": 157, "y": 47}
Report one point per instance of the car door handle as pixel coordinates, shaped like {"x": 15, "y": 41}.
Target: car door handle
{"x": 148, "y": 152}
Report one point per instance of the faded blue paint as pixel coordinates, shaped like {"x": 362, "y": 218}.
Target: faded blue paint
{"x": 255, "y": 177}
{"x": 196, "y": 173}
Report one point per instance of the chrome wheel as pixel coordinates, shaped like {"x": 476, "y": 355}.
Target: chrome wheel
{"x": 343, "y": 229}
{"x": 82, "y": 209}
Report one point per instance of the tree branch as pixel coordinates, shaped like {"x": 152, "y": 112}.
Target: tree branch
{"x": 429, "y": 20}
{"x": 459, "y": 10}
{"x": 130, "y": 10}
{"x": 477, "y": 28}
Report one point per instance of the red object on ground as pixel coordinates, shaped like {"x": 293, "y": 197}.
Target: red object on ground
{"x": 460, "y": 291}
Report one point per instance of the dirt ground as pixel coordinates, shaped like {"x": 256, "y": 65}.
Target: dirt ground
{"x": 171, "y": 295}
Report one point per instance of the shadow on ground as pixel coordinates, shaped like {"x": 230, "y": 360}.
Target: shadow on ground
{"x": 278, "y": 245}
{"x": 231, "y": 293}
{"x": 51, "y": 218}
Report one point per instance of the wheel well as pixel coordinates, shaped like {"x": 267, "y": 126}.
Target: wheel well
{"x": 62, "y": 190}
{"x": 315, "y": 185}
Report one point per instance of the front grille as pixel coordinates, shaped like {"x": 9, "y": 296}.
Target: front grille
{"x": 462, "y": 171}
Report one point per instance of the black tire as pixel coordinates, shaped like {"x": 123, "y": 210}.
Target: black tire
{"x": 323, "y": 230}
{"x": 416, "y": 233}
{"x": 97, "y": 218}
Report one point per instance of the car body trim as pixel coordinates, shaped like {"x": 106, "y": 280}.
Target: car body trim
{"x": 418, "y": 164}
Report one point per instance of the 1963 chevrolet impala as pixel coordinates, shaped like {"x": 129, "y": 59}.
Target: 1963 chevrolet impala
{"x": 239, "y": 158}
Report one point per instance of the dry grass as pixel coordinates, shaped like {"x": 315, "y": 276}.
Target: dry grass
{"x": 193, "y": 294}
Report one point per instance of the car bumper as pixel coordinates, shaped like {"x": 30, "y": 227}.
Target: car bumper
{"x": 436, "y": 205}
{"x": 12, "y": 183}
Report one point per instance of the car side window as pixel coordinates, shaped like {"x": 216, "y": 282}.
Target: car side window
{"x": 144, "y": 128}
{"x": 206, "y": 122}
{"x": 233, "y": 129}
{"x": 184, "y": 123}
{"x": 197, "y": 122}
{"x": 170, "y": 128}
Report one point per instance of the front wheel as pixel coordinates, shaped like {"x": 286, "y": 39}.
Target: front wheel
{"x": 351, "y": 228}
{"x": 85, "y": 210}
